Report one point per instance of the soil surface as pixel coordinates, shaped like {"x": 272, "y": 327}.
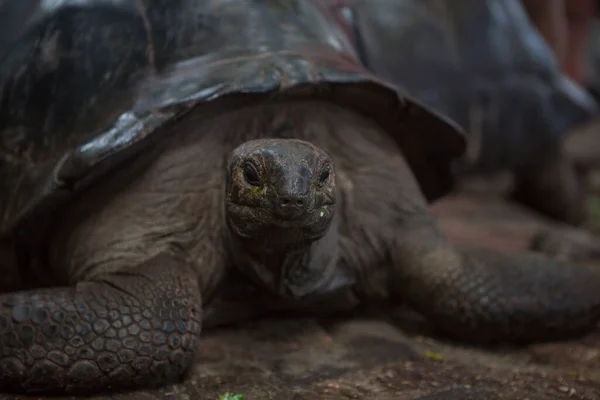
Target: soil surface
{"x": 381, "y": 355}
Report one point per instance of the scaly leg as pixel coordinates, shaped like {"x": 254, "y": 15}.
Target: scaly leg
{"x": 131, "y": 329}
{"x": 485, "y": 296}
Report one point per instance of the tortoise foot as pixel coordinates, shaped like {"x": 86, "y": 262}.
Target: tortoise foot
{"x": 127, "y": 330}
{"x": 567, "y": 244}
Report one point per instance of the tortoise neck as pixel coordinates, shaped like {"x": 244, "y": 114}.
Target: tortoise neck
{"x": 293, "y": 269}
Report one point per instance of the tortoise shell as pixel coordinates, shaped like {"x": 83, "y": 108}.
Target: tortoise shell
{"x": 83, "y": 85}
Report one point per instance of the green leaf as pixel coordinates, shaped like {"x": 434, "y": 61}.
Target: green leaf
{"x": 231, "y": 396}
{"x": 434, "y": 356}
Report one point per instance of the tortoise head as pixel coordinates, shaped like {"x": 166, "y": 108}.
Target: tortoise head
{"x": 280, "y": 191}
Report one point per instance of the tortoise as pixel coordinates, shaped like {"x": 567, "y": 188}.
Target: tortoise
{"x": 158, "y": 155}
{"x": 486, "y": 66}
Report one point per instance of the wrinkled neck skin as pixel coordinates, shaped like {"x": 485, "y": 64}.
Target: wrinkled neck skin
{"x": 285, "y": 264}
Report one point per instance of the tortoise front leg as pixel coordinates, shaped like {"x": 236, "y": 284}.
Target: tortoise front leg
{"x": 131, "y": 329}
{"x": 486, "y": 296}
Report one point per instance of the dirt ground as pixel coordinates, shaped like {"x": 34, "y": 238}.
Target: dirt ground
{"x": 391, "y": 356}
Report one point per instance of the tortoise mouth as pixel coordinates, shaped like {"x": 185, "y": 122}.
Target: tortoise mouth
{"x": 261, "y": 223}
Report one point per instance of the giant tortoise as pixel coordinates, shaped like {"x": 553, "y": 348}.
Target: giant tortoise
{"x": 157, "y": 153}
{"x": 485, "y": 65}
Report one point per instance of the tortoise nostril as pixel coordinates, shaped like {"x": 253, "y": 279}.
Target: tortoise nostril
{"x": 291, "y": 202}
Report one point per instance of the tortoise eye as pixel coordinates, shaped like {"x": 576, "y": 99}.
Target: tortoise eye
{"x": 324, "y": 175}
{"x": 251, "y": 174}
